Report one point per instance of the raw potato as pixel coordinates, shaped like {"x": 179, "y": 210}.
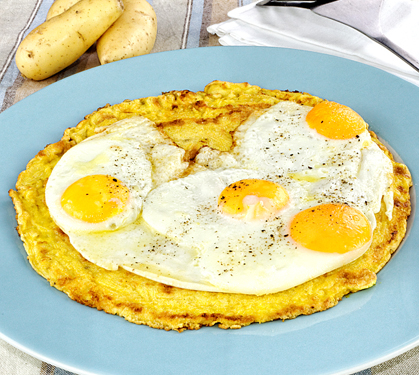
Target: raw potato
{"x": 61, "y": 40}
{"x": 60, "y": 6}
{"x": 133, "y": 34}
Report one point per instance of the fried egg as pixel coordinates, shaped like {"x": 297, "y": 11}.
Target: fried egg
{"x": 293, "y": 199}
{"x": 100, "y": 184}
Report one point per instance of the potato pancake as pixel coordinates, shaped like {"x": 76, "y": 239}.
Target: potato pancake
{"x": 192, "y": 121}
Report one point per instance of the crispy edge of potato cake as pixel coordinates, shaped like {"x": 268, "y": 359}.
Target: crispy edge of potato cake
{"x": 220, "y": 108}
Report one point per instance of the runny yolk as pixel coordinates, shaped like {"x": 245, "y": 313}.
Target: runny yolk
{"x": 95, "y": 198}
{"x": 252, "y": 199}
{"x": 335, "y": 121}
{"x": 331, "y": 228}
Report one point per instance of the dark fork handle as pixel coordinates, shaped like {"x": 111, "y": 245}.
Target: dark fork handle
{"x": 294, "y": 3}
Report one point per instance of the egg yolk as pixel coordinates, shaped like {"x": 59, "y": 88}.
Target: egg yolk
{"x": 252, "y": 199}
{"x": 335, "y": 121}
{"x": 95, "y": 198}
{"x": 331, "y": 228}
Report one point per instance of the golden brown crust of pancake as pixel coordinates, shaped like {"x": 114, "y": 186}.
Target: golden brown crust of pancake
{"x": 192, "y": 120}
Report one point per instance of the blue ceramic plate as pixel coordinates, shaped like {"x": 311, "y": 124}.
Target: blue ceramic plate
{"x": 367, "y": 328}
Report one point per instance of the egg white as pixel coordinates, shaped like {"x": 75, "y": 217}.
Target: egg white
{"x": 177, "y": 234}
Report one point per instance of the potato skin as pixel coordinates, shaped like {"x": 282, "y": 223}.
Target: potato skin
{"x": 133, "y": 34}
{"x": 60, "y": 6}
{"x": 61, "y": 40}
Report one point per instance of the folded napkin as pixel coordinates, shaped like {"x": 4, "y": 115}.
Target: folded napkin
{"x": 301, "y": 28}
